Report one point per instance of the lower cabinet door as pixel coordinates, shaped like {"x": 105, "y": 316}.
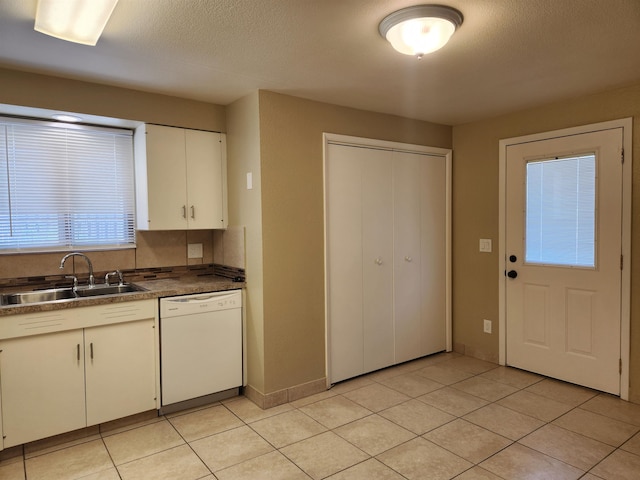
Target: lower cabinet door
{"x": 120, "y": 370}
{"x": 42, "y": 379}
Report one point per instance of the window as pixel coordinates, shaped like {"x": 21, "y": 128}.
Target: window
{"x": 561, "y": 211}
{"x": 65, "y": 187}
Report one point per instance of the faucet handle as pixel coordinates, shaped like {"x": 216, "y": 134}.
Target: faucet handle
{"x": 75, "y": 281}
{"x": 116, "y": 272}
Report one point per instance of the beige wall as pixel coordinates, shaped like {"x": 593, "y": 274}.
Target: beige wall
{"x": 291, "y": 154}
{"x": 155, "y": 249}
{"x": 245, "y": 209}
{"x": 475, "y": 211}
{"x": 41, "y": 91}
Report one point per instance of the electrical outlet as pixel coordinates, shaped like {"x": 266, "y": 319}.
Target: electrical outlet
{"x": 194, "y": 250}
{"x": 487, "y": 326}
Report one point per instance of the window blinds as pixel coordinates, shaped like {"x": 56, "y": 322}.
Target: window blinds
{"x": 561, "y": 211}
{"x": 65, "y": 187}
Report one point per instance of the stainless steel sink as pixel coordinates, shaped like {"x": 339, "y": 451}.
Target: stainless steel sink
{"x": 108, "y": 290}
{"x": 58, "y": 294}
{"x": 37, "y": 296}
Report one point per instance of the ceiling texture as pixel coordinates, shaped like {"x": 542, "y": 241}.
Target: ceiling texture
{"x": 508, "y": 55}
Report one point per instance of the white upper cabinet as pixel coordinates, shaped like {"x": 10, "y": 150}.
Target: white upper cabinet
{"x": 181, "y": 179}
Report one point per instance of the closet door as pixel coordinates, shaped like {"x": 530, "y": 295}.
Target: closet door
{"x": 407, "y": 181}
{"x": 420, "y": 233}
{"x": 344, "y": 262}
{"x": 359, "y": 260}
{"x": 377, "y": 258}
{"x": 387, "y": 264}
{"x": 434, "y": 277}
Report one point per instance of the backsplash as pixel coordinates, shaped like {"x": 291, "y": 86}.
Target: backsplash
{"x": 130, "y": 276}
{"x": 157, "y": 255}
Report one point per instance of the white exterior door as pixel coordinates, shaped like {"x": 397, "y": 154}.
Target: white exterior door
{"x": 563, "y": 230}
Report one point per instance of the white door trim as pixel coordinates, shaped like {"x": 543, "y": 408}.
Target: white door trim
{"x": 405, "y": 147}
{"x": 625, "y": 308}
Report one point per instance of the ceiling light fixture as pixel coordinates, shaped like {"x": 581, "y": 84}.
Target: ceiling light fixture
{"x": 420, "y": 29}
{"x": 79, "y": 21}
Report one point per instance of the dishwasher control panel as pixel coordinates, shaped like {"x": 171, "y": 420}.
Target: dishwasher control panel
{"x": 202, "y": 302}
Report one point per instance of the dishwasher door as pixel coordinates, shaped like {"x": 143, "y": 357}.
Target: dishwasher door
{"x": 201, "y": 345}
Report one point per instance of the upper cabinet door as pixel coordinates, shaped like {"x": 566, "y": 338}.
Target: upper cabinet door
{"x": 205, "y": 197}
{"x": 165, "y": 181}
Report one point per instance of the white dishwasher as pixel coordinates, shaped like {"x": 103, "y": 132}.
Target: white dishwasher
{"x": 200, "y": 348}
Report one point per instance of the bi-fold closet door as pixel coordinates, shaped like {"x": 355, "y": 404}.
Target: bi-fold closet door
{"x": 387, "y": 267}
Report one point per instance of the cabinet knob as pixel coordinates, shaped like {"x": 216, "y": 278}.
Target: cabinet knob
{"x": 408, "y": 259}
{"x": 378, "y": 261}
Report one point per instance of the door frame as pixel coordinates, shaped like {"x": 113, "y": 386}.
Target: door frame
{"x": 625, "y": 308}
{"x": 391, "y": 146}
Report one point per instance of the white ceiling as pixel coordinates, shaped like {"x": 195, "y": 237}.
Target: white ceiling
{"x": 507, "y": 55}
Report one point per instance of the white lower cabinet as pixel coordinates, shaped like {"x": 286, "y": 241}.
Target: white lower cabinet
{"x": 58, "y": 381}
{"x": 42, "y": 386}
{"x": 387, "y": 223}
{"x": 119, "y": 362}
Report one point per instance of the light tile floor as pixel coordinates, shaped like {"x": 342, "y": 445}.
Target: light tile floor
{"x": 441, "y": 417}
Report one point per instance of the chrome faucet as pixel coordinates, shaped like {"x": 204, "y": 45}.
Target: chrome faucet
{"x": 78, "y": 254}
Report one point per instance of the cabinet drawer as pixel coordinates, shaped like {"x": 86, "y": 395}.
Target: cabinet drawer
{"x": 118, "y": 312}
{"x": 37, "y": 323}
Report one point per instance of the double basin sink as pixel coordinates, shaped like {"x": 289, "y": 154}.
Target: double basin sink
{"x": 68, "y": 293}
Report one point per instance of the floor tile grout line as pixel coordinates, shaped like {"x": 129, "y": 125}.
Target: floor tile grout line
{"x": 110, "y": 457}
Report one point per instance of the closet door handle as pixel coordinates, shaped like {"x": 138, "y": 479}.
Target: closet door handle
{"x": 91, "y": 349}
{"x": 78, "y": 351}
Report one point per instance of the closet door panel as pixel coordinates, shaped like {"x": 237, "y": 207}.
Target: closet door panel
{"x": 377, "y": 258}
{"x": 344, "y": 262}
{"x": 434, "y": 247}
{"x": 407, "y": 181}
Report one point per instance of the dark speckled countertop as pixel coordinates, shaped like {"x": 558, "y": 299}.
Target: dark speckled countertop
{"x": 166, "y": 287}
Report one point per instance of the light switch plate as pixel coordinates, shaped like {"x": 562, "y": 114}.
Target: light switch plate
{"x": 485, "y": 245}
{"x": 194, "y": 250}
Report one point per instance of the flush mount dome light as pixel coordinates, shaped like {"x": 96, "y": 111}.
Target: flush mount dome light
{"x": 420, "y": 29}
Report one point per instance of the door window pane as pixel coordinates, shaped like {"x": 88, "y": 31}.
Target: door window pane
{"x": 560, "y": 211}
